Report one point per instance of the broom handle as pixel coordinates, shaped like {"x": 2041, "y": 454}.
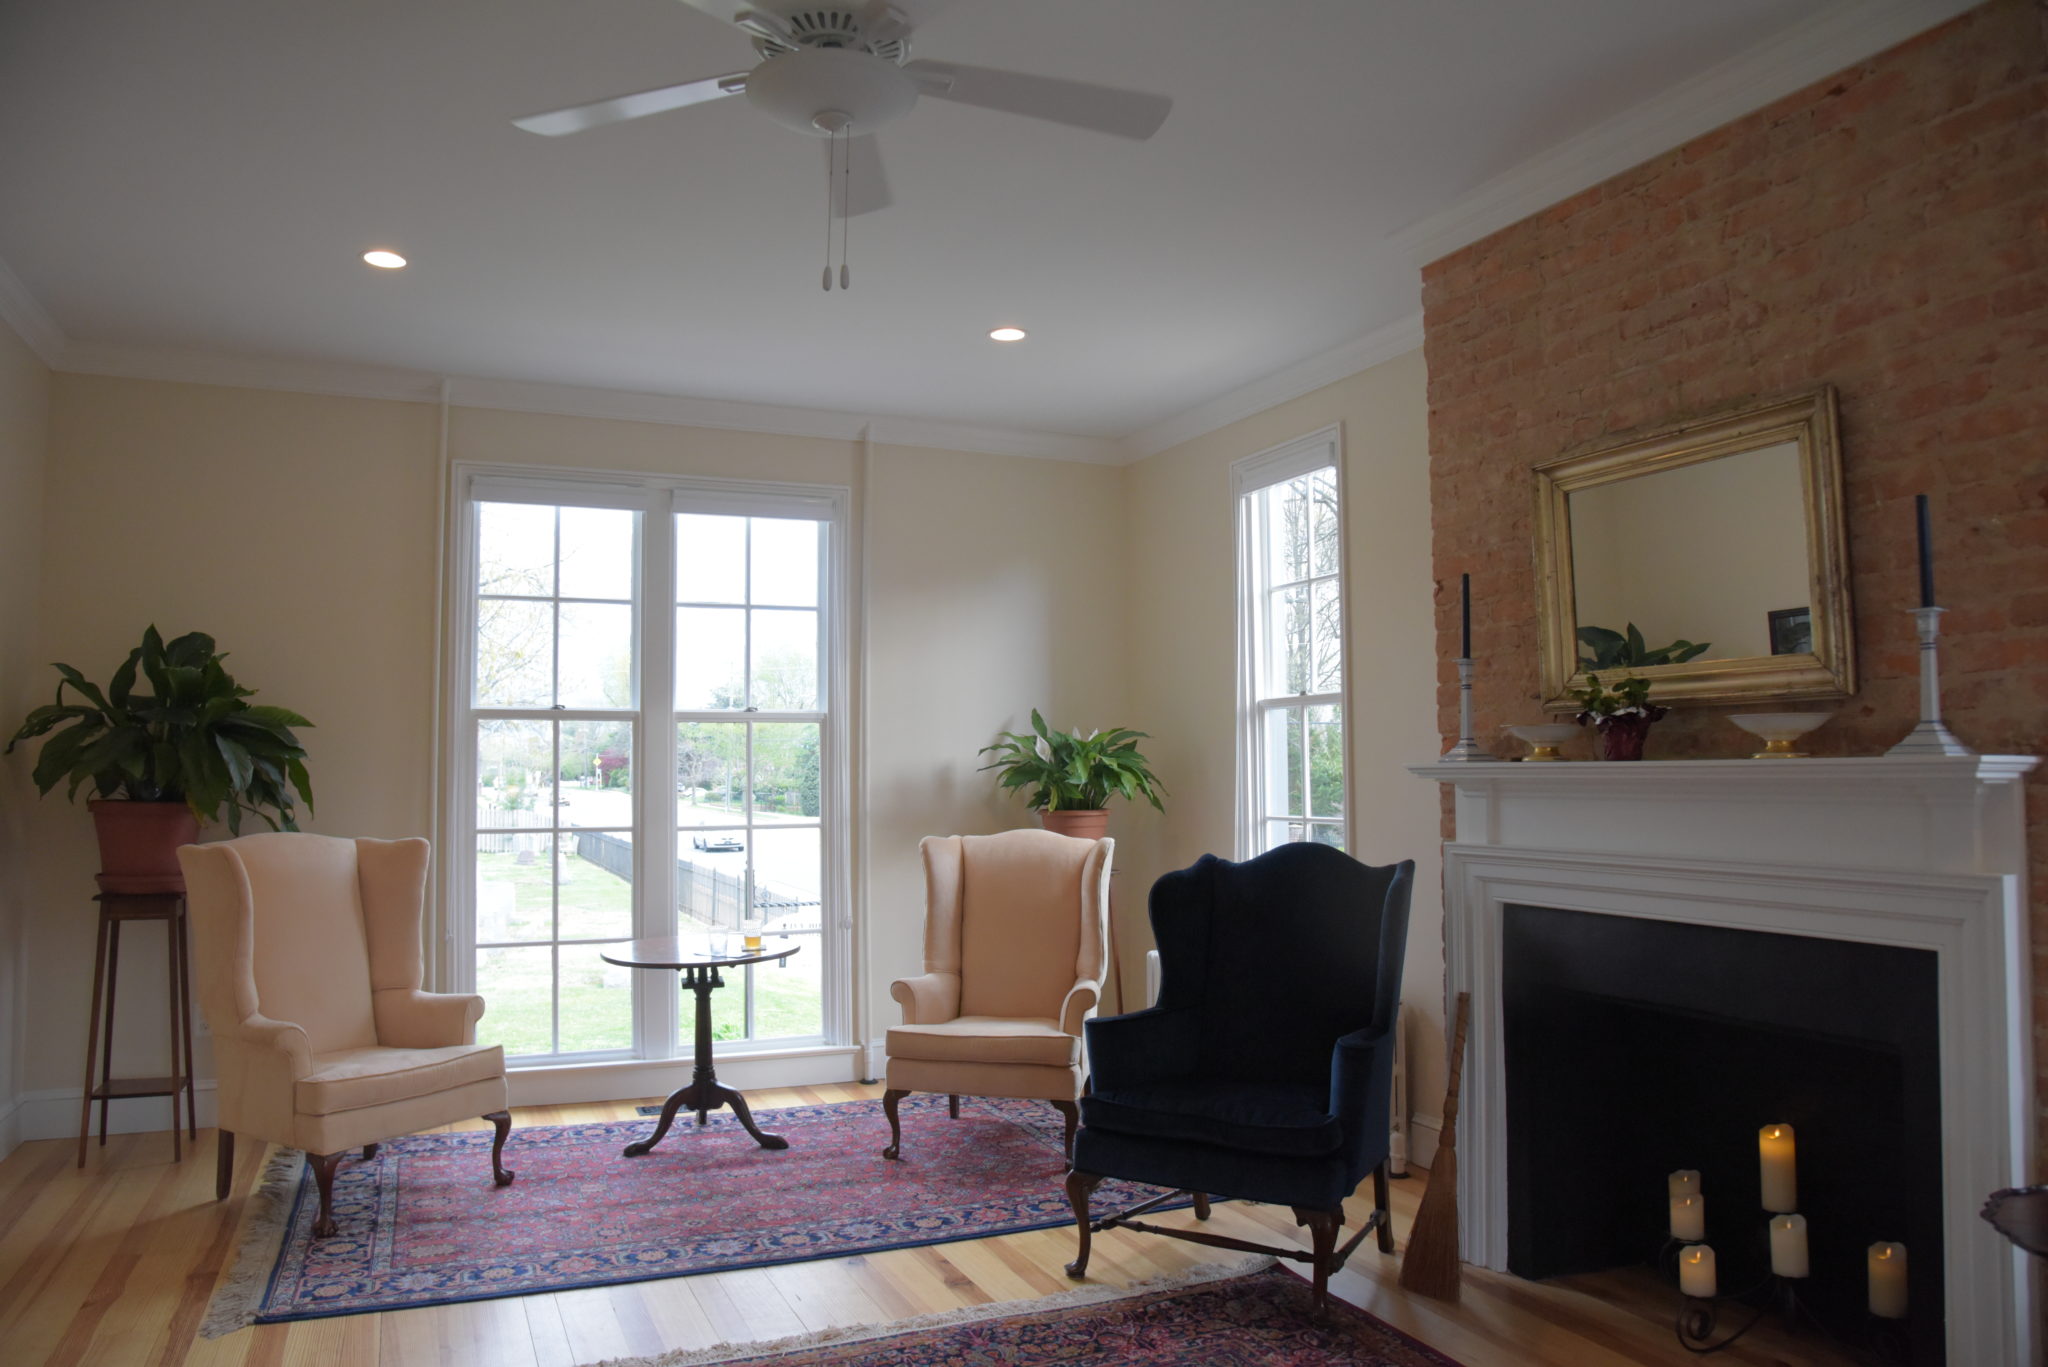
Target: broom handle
{"x": 1449, "y": 1134}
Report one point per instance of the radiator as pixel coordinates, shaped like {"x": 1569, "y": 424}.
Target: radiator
{"x": 1397, "y": 1135}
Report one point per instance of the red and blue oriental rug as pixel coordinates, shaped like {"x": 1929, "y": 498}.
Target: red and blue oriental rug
{"x": 1213, "y": 1317}
{"x": 421, "y": 1223}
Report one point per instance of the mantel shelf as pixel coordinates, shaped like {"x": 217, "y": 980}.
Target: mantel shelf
{"x": 1668, "y": 774}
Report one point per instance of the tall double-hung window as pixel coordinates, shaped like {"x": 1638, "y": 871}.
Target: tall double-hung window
{"x": 1293, "y": 780}
{"x": 649, "y": 689}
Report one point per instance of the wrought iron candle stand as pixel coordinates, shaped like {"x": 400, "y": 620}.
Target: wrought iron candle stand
{"x": 1699, "y": 1317}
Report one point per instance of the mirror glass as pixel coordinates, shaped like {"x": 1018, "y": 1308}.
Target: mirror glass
{"x": 1705, "y": 561}
{"x": 1707, "y": 557}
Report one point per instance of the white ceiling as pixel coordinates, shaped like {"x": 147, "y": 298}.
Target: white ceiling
{"x": 204, "y": 174}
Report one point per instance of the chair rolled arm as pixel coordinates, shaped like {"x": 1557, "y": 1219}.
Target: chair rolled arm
{"x": 929, "y": 998}
{"x": 1080, "y": 1000}
{"x": 1361, "y": 1092}
{"x": 261, "y": 1032}
{"x": 408, "y": 1018}
{"x": 1143, "y": 1047}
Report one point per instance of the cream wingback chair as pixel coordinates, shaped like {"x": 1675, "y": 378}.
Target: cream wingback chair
{"x": 1014, "y": 932}
{"x": 308, "y": 956}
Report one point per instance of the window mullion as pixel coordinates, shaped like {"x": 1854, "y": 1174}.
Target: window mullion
{"x": 655, "y": 1006}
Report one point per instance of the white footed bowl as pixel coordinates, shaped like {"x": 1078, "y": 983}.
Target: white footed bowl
{"x": 1543, "y": 740}
{"x": 1778, "y": 730}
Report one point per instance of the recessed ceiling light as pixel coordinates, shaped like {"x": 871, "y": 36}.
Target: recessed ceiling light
{"x": 1007, "y": 335}
{"x": 390, "y": 261}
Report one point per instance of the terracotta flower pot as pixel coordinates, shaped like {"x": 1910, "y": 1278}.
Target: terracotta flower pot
{"x": 1086, "y": 824}
{"x": 139, "y": 844}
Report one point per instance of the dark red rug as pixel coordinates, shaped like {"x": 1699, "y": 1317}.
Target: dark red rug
{"x": 421, "y": 1224}
{"x": 1257, "y": 1319}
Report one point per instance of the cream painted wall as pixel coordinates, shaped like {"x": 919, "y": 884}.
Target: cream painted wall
{"x": 1181, "y": 604}
{"x": 300, "y": 530}
{"x": 24, "y": 448}
{"x": 993, "y": 587}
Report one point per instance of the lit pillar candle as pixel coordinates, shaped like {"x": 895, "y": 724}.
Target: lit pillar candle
{"x": 1788, "y": 1245}
{"x": 1696, "y": 1272}
{"x": 1684, "y": 1182}
{"x": 1689, "y": 1218}
{"x": 1780, "y": 1174}
{"x": 1888, "y": 1281}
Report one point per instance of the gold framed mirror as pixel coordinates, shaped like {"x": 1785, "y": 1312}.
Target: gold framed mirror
{"x": 1708, "y": 557}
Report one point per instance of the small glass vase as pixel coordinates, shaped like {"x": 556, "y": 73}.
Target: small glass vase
{"x": 1621, "y": 737}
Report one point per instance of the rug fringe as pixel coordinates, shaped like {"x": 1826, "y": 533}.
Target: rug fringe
{"x": 239, "y": 1295}
{"x": 859, "y": 1333}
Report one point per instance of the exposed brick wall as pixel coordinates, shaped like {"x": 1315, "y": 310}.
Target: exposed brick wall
{"x": 1885, "y": 231}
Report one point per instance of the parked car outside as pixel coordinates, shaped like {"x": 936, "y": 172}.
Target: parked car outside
{"x": 718, "y": 842}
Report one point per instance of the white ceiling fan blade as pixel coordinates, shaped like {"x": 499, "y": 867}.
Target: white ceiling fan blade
{"x": 1105, "y": 109}
{"x": 638, "y": 105}
{"x": 867, "y": 189}
{"x": 746, "y": 14}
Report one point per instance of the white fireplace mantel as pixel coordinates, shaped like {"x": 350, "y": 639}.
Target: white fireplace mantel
{"x": 1920, "y": 852}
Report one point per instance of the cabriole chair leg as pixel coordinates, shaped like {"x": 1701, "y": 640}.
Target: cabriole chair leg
{"x": 1080, "y": 1186}
{"x": 501, "y": 1121}
{"x": 890, "y": 1100}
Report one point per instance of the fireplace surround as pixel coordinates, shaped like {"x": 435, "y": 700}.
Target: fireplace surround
{"x": 1922, "y": 854}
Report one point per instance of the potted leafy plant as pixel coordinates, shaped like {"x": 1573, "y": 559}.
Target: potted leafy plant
{"x": 1072, "y": 776}
{"x": 1604, "y": 648}
{"x": 1621, "y": 715}
{"x": 163, "y": 761}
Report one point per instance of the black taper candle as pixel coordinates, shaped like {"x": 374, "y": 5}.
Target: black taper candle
{"x": 1465, "y": 601}
{"x": 1926, "y": 552}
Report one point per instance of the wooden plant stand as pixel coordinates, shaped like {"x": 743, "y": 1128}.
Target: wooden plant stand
{"x": 117, "y": 909}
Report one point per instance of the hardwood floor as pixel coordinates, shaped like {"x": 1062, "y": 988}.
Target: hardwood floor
{"x": 115, "y": 1265}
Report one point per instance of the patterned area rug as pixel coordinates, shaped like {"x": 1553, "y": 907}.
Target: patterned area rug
{"x": 421, "y": 1224}
{"x": 1214, "y": 1317}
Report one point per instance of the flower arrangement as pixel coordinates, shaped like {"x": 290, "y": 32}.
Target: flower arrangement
{"x": 1621, "y": 714}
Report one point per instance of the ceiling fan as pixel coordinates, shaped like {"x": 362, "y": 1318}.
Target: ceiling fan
{"x": 839, "y": 72}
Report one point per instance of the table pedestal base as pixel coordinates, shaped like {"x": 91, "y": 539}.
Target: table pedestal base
{"x": 705, "y": 1093}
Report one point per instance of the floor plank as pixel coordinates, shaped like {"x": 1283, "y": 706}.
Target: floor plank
{"x": 115, "y": 1266}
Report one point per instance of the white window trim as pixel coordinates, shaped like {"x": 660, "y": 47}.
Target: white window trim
{"x": 658, "y": 498}
{"x": 1249, "y": 475}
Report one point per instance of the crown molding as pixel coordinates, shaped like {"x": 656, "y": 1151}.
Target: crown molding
{"x": 181, "y": 366}
{"x": 519, "y": 396}
{"x": 1381, "y": 344}
{"x": 29, "y": 319}
{"x": 733, "y": 415}
{"x": 1817, "y": 47}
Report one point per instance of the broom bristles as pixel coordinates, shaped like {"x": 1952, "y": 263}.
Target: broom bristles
{"x": 1430, "y": 1267}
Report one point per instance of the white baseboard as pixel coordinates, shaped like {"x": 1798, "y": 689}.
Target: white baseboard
{"x": 625, "y": 1080}
{"x": 53, "y": 1114}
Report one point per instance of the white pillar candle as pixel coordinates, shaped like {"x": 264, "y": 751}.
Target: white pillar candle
{"x": 1788, "y": 1245}
{"x": 1888, "y": 1281}
{"x": 1684, "y": 1182}
{"x": 1688, "y": 1218}
{"x": 1780, "y": 1173}
{"x": 1696, "y": 1272}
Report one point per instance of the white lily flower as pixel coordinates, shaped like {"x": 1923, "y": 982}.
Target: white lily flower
{"x": 1044, "y": 750}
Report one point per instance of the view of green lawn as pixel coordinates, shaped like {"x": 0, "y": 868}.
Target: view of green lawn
{"x": 596, "y": 997}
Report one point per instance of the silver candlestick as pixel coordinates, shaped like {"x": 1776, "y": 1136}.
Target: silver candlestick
{"x": 1467, "y": 749}
{"x": 1930, "y": 737}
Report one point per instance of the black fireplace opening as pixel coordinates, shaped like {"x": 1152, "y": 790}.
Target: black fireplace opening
{"x": 1637, "y": 1047}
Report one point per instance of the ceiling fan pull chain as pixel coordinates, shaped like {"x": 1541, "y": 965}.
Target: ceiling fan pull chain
{"x": 845, "y": 201}
{"x": 825, "y": 282}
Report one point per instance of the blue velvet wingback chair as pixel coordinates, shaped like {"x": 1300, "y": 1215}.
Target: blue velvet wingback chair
{"x": 1264, "y": 1070}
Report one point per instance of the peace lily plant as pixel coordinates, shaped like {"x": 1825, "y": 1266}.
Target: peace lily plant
{"x": 1072, "y": 773}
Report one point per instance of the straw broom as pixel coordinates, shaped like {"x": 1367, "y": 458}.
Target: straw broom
{"x": 1430, "y": 1267}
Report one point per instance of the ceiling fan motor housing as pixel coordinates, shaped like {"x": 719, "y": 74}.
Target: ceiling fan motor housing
{"x": 801, "y": 89}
